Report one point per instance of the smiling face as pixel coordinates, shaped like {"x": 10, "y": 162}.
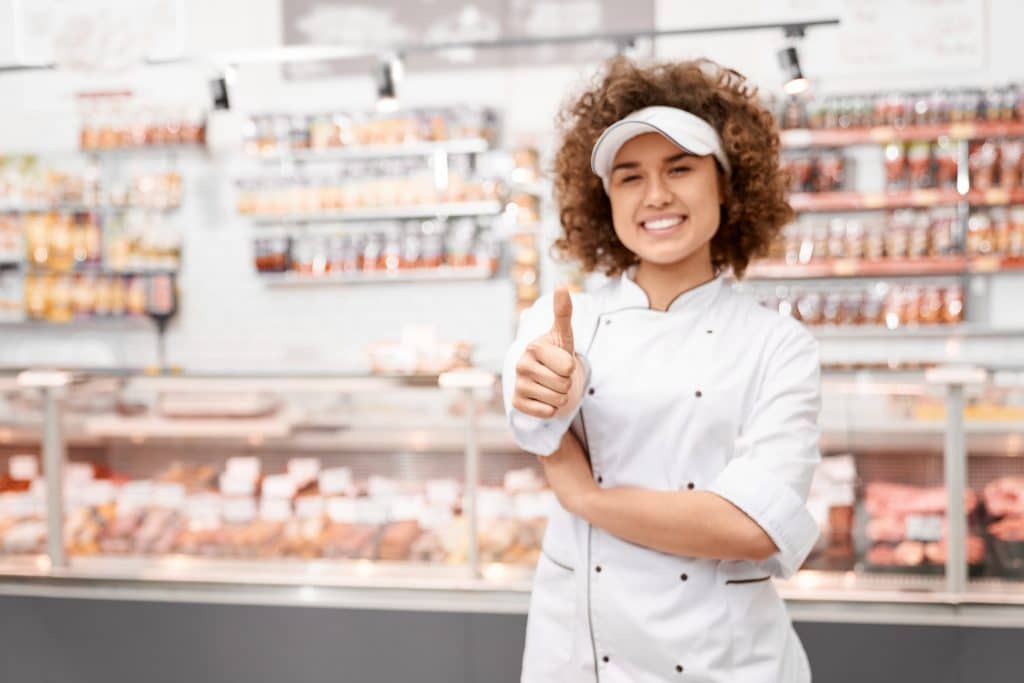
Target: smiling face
{"x": 665, "y": 202}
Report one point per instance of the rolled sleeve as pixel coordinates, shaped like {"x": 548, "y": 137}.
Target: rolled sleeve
{"x": 533, "y": 434}
{"x": 770, "y": 473}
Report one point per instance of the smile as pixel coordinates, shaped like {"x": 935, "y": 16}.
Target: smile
{"x": 661, "y": 224}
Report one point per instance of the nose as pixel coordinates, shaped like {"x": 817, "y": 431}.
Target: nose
{"x": 658, "y": 194}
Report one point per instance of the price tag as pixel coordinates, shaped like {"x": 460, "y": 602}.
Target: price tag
{"x": 370, "y": 511}
{"x": 927, "y": 528}
{"x": 436, "y": 517}
{"x": 279, "y": 486}
{"x": 97, "y": 493}
{"x": 963, "y": 131}
{"x": 407, "y": 507}
{"x": 382, "y": 486}
{"x": 341, "y": 510}
{"x": 239, "y": 510}
{"x": 924, "y": 197}
{"x": 874, "y": 200}
{"x": 135, "y": 495}
{"x": 205, "y": 509}
{"x": 442, "y": 491}
{"x": 796, "y": 138}
{"x": 336, "y": 480}
{"x": 237, "y": 485}
{"x": 309, "y": 507}
{"x": 845, "y": 267}
{"x": 882, "y": 134}
{"x": 169, "y": 495}
{"x": 17, "y": 505}
{"x": 78, "y": 473}
{"x": 247, "y": 467}
{"x": 997, "y": 196}
{"x": 303, "y": 470}
{"x": 275, "y": 509}
{"x": 23, "y": 467}
{"x": 985, "y": 264}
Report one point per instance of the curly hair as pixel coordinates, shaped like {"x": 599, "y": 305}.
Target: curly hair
{"x": 755, "y": 207}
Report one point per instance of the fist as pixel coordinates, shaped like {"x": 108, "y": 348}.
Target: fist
{"x": 548, "y": 378}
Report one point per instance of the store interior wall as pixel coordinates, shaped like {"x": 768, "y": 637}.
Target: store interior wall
{"x": 230, "y": 320}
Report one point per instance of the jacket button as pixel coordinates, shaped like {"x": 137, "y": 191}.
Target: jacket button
{"x": 600, "y": 479}
{"x": 605, "y": 659}
{"x": 698, "y": 393}
{"x": 679, "y": 668}
{"x": 683, "y": 577}
{"x": 709, "y": 331}
{"x": 608, "y": 321}
{"x": 590, "y": 391}
{"x": 690, "y": 485}
{"x": 597, "y": 569}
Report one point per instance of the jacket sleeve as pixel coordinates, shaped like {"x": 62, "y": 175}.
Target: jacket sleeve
{"x": 532, "y": 434}
{"x": 770, "y": 473}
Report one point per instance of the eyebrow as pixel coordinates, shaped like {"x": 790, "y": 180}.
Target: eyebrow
{"x": 667, "y": 160}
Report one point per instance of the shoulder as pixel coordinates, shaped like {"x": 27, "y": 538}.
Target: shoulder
{"x": 775, "y": 332}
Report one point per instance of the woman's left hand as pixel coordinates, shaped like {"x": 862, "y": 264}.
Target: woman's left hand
{"x": 569, "y": 474}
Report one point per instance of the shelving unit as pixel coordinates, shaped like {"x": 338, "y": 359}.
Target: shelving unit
{"x": 441, "y": 274}
{"x": 341, "y": 153}
{"x": 798, "y": 138}
{"x": 486, "y": 208}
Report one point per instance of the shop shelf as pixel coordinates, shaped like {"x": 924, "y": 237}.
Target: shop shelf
{"x": 486, "y": 208}
{"x": 867, "y": 201}
{"x": 864, "y": 201}
{"x": 796, "y": 138}
{"x": 838, "y": 268}
{"x": 444, "y": 273}
{"x": 995, "y": 264}
{"x": 462, "y": 146}
{"x": 72, "y": 207}
{"x": 97, "y": 323}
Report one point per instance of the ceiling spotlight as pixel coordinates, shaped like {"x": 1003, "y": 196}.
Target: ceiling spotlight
{"x": 388, "y": 74}
{"x": 795, "y": 82}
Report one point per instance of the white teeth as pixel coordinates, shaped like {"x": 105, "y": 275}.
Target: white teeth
{"x": 663, "y": 223}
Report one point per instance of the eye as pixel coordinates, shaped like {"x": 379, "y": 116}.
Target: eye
{"x": 628, "y": 178}
{"x": 679, "y": 170}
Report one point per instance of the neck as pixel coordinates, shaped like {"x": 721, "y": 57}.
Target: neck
{"x": 663, "y": 283}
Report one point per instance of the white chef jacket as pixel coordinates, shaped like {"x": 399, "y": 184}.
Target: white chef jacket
{"x": 716, "y": 393}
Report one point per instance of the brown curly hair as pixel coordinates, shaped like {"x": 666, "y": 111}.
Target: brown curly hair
{"x": 755, "y": 207}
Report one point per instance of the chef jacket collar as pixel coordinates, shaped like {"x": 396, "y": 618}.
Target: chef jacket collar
{"x": 632, "y": 295}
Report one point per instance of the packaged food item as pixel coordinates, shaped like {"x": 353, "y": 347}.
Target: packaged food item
{"x": 945, "y": 164}
{"x": 979, "y": 234}
{"x": 1010, "y": 154}
{"x": 943, "y": 221}
{"x": 919, "y": 164}
{"x": 895, "y": 167}
{"x": 982, "y": 162}
{"x": 953, "y": 304}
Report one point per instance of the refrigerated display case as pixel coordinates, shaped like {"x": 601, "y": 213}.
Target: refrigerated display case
{"x": 395, "y": 482}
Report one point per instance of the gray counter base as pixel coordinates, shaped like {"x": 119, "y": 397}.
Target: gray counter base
{"x": 68, "y": 640}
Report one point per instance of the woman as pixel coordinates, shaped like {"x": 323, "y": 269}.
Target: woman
{"x": 676, "y": 418}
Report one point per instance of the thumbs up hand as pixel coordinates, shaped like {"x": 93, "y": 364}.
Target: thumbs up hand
{"x": 548, "y": 377}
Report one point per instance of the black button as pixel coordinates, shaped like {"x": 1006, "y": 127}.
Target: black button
{"x": 600, "y": 479}
{"x": 698, "y": 393}
{"x": 690, "y": 486}
{"x": 709, "y": 331}
{"x": 679, "y": 668}
{"x": 683, "y": 577}
{"x": 590, "y": 391}
{"x": 597, "y": 569}
{"x": 608, "y": 322}
{"x": 605, "y": 659}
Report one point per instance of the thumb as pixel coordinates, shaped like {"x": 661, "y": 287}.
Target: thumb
{"x": 561, "y": 330}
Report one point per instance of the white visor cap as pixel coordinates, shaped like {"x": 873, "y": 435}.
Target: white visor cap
{"x": 689, "y": 132}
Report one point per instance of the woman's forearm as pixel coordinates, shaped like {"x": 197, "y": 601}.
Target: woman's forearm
{"x": 689, "y": 523}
